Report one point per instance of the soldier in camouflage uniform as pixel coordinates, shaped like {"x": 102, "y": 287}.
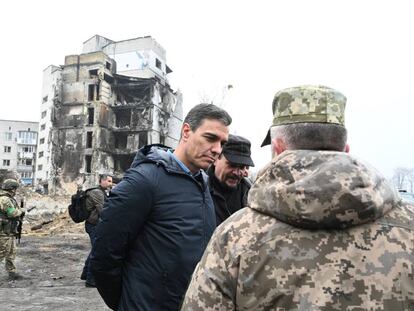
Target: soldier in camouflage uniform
{"x": 10, "y": 215}
{"x": 323, "y": 230}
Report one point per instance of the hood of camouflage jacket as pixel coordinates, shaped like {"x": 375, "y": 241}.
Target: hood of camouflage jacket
{"x": 321, "y": 190}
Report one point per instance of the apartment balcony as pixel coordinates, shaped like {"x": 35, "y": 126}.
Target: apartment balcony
{"x": 26, "y": 141}
{"x": 26, "y": 155}
{"x": 24, "y": 168}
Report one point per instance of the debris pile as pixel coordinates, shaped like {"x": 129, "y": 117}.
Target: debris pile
{"x": 48, "y": 215}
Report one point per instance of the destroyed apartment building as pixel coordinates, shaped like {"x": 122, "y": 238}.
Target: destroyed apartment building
{"x": 100, "y": 107}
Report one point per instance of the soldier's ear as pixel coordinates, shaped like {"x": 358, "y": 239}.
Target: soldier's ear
{"x": 278, "y": 145}
{"x": 346, "y": 148}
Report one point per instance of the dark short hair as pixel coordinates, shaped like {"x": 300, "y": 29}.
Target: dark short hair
{"x": 312, "y": 136}
{"x": 200, "y": 112}
{"x": 104, "y": 177}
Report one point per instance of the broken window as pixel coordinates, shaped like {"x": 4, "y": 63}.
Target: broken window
{"x": 40, "y": 154}
{"x": 97, "y": 92}
{"x": 91, "y": 112}
{"x": 123, "y": 162}
{"x": 123, "y": 117}
{"x": 88, "y": 163}
{"x": 108, "y": 78}
{"x": 89, "y": 139}
{"x": 41, "y": 141}
{"x": 6, "y": 162}
{"x": 143, "y": 139}
{"x": 158, "y": 63}
{"x": 121, "y": 140}
{"x": 91, "y": 92}
{"x": 7, "y": 148}
{"x": 93, "y": 73}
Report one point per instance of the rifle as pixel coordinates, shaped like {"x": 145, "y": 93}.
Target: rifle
{"x": 20, "y": 224}
{"x": 19, "y": 229}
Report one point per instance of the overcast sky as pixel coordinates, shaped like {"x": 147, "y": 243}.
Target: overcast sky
{"x": 362, "y": 48}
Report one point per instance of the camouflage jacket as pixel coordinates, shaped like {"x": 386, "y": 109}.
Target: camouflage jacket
{"x": 95, "y": 200}
{"x": 323, "y": 231}
{"x": 9, "y": 213}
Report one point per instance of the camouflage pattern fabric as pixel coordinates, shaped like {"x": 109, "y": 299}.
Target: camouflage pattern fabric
{"x": 8, "y": 252}
{"x": 8, "y": 205}
{"x": 9, "y": 210}
{"x": 309, "y": 103}
{"x": 323, "y": 231}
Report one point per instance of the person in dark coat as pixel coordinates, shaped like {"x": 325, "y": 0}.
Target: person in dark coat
{"x": 159, "y": 218}
{"x": 229, "y": 185}
{"x": 95, "y": 200}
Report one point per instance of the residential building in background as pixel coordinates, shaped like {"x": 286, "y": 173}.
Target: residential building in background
{"x": 18, "y": 140}
{"x": 100, "y": 107}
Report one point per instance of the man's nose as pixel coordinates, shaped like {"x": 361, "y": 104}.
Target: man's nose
{"x": 238, "y": 171}
{"x": 216, "y": 148}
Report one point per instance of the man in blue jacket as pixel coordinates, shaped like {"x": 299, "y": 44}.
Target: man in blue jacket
{"x": 158, "y": 220}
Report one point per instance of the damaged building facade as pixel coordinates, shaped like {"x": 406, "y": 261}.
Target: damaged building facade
{"x": 100, "y": 107}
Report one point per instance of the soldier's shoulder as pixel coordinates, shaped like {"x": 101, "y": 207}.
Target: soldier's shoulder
{"x": 5, "y": 202}
{"x": 247, "y": 230}
{"x": 94, "y": 191}
{"x": 400, "y": 216}
{"x": 5, "y": 198}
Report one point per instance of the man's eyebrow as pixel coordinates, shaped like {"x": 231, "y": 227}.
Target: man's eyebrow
{"x": 211, "y": 135}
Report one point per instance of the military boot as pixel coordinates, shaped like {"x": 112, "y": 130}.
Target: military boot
{"x": 14, "y": 276}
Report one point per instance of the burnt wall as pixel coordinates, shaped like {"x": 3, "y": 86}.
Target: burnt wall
{"x": 71, "y": 160}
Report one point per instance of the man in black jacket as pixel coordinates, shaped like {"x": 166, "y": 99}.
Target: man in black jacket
{"x": 228, "y": 183}
{"x": 158, "y": 220}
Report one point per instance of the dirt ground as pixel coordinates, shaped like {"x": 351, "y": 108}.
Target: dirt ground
{"x": 51, "y": 260}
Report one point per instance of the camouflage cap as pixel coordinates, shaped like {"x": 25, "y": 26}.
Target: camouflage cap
{"x": 305, "y": 104}
{"x": 10, "y": 184}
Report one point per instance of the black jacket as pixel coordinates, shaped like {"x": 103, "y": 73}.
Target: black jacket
{"x": 153, "y": 230}
{"x": 227, "y": 202}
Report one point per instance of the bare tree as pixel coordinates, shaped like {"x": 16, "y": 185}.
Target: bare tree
{"x": 216, "y": 97}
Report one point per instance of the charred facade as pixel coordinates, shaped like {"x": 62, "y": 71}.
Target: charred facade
{"x": 98, "y": 120}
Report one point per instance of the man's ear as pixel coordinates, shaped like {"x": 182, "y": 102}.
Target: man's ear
{"x": 185, "y": 132}
{"x": 278, "y": 145}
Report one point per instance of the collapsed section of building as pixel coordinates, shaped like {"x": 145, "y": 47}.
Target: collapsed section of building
{"x": 96, "y": 117}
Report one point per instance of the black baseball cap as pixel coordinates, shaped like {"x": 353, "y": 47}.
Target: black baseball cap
{"x": 237, "y": 150}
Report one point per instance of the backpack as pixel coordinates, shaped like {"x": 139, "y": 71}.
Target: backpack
{"x": 77, "y": 208}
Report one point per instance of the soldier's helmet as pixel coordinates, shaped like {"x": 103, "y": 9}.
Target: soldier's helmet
{"x": 10, "y": 184}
